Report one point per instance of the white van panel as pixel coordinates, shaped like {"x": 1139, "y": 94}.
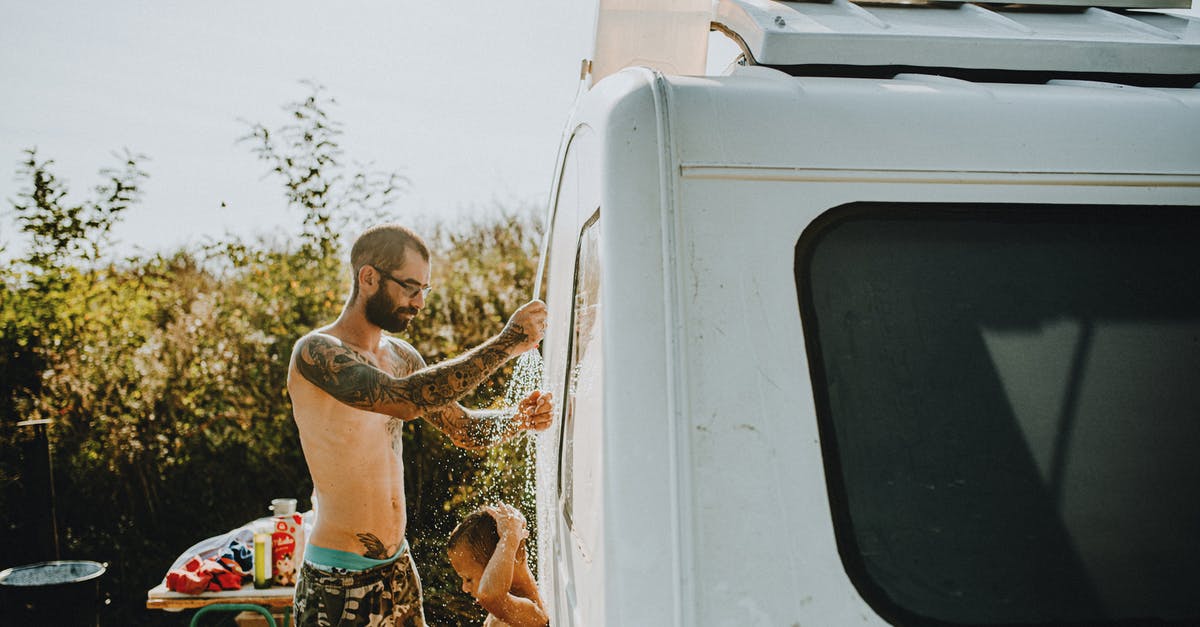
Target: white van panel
{"x": 714, "y": 507}
{"x": 928, "y": 123}
{"x": 763, "y": 546}
{"x": 643, "y": 500}
{"x": 637, "y": 451}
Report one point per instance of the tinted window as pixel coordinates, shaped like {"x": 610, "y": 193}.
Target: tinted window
{"x": 1009, "y": 407}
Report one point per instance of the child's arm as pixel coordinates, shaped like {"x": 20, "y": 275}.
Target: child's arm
{"x": 524, "y": 584}
{"x": 494, "y": 587}
{"x": 497, "y": 576}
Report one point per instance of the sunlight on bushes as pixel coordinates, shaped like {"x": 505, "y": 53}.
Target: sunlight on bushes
{"x": 165, "y": 375}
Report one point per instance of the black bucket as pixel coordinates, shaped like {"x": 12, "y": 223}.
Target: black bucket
{"x": 51, "y": 593}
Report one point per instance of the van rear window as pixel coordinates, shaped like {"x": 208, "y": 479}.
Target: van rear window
{"x": 1008, "y": 400}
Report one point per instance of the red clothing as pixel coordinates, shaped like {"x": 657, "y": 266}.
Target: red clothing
{"x": 200, "y": 575}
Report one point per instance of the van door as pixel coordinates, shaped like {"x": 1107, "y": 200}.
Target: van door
{"x": 570, "y": 454}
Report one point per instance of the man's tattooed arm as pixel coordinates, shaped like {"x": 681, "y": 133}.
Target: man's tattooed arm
{"x": 347, "y": 376}
{"x": 350, "y": 378}
{"x": 474, "y": 429}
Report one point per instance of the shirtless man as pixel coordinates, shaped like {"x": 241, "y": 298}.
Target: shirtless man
{"x": 352, "y": 390}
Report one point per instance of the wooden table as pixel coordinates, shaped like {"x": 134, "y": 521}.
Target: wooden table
{"x": 246, "y": 599}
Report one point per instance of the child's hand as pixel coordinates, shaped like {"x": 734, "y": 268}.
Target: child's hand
{"x": 509, "y": 521}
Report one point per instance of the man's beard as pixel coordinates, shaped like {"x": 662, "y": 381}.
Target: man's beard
{"x": 381, "y": 311}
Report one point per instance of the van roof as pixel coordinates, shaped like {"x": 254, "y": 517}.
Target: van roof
{"x": 963, "y": 35}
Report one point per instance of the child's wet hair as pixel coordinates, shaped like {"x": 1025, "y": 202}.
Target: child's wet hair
{"x": 478, "y": 531}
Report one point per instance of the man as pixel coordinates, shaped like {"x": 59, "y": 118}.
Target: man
{"x": 352, "y": 390}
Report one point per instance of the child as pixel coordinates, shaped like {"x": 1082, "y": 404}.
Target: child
{"x": 487, "y": 549}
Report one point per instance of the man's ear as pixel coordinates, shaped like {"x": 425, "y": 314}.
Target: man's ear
{"x": 367, "y": 276}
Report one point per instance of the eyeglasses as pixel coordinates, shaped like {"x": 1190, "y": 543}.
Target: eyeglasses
{"x": 410, "y": 290}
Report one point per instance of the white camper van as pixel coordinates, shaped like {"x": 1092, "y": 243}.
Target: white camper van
{"x": 896, "y": 322}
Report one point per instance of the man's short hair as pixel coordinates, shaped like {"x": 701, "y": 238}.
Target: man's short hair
{"x": 384, "y": 246}
{"x": 479, "y": 533}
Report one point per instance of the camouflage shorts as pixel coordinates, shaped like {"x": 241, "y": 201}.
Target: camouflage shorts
{"x": 387, "y": 595}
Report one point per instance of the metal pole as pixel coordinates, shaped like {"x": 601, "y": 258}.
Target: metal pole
{"x": 42, "y": 433}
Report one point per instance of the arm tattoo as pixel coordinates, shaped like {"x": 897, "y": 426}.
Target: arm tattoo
{"x": 474, "y": 429}
{"x": 445, "y": 383}
{"x": 350, "y": 378}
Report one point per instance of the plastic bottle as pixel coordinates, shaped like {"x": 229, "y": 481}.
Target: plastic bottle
{"x": 262, "y": 556}
{"x": 287, "y": 541}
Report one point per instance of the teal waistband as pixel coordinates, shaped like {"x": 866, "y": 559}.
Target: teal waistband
{"x": 326, "y": 559}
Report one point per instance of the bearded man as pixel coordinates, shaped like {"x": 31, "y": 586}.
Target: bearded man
{"x": 352, "y": 388}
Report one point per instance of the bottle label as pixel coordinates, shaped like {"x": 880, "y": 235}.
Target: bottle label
{"x": 284, "y": 556}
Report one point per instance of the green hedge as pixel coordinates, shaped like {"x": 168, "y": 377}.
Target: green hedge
{"x": 164, "y": 376}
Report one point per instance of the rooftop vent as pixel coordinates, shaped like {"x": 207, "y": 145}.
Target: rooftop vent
{"x": 1051, "y": 36}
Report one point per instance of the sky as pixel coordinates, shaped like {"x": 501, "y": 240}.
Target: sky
{"x": 467, "y": 100}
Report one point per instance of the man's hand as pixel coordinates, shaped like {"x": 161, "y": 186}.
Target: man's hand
{"x": 525, "y": 328}
{"x": 535, "y": 412}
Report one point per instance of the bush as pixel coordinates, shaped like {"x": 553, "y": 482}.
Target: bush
{"x": 165, "y": 376}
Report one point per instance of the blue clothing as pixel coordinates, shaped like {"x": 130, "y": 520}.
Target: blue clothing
{"x": 241, "y": 554}
{"x": 329, "y": 559}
